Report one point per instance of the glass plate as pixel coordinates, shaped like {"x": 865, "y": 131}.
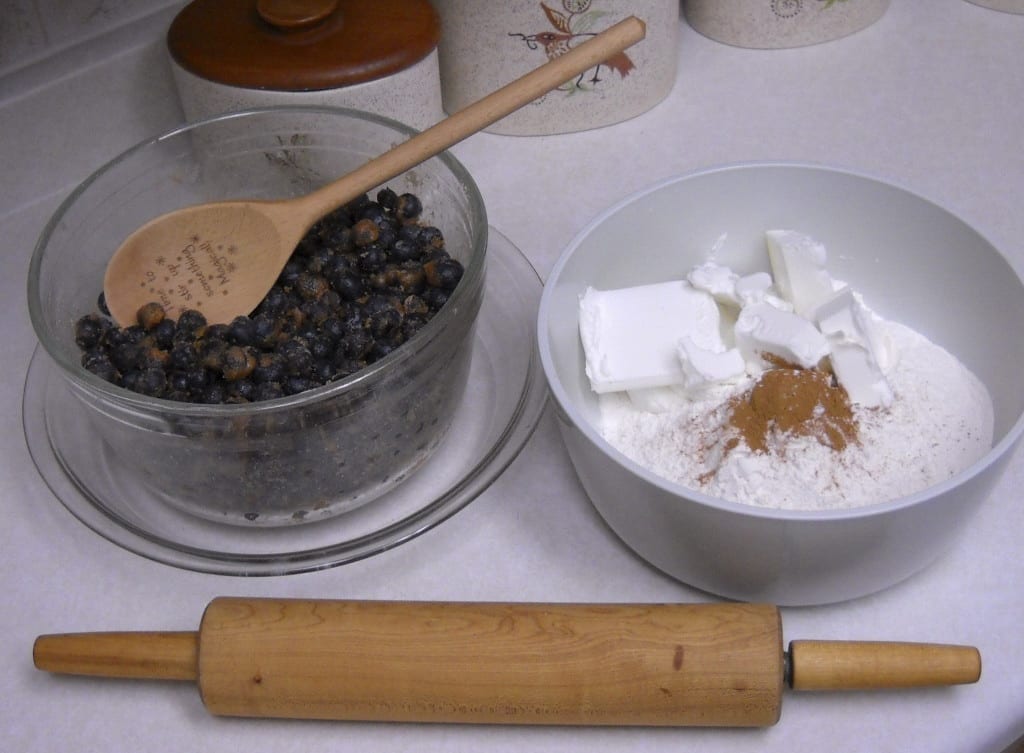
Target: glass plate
{"x": 504, "y": 400}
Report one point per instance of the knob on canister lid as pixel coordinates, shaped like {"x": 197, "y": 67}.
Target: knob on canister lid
{"x": 301, "y": 45}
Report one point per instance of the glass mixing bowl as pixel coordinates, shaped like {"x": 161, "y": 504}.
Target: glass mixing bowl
{"x": 293, "y": 459}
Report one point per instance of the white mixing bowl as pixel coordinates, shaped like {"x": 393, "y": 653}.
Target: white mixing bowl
{"x": 913, "y": 261}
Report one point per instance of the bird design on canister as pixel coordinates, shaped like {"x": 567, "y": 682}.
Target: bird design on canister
{"x": 572, "y": 27}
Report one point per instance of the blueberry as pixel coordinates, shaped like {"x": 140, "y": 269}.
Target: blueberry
{"x": 241, "y": 331}
{"x": 387, "y": 198}
{"x": 319, "y": 346}
{"x": 378, "y": 280}
{"x": 134, "y": 333}
{"x": 130, "y": 379}
{"x": 332, "y": 300}
{"x": 444, "y": 274}
{"x": 373, "y": 258}
{"x": 354, "y": 206}
{"x": 294, "y": 384}
{"x": 152, "y": 381}
{"x": 338, "y": 218}
{"x": 152, "y": 357}
{"x": 315, "y": 313}
{"x": 371, "y": 211}
{"x": 191, "y": 324}
{"x": 365, "y": 232}
{"x": 336, "y": 265}
{"x": 410, "y": 277}
{"x": 266, "y": 330}
{"x": 216, "y": 332}
{"x": 403, "y": 250}
{"x": 415, "y": 306}
{"x": 125, "y": 356}
{"x": 100, "y": 364}
{"x": 435, "y": 298}
{"x": 431, "y": 237}
{"x": 163, "y": 333}
{"x": 197, "y": 379}
{"x": 238, "y": 362}
{"x": 355, "y": 345}
{"x": 214, "y": 394}
{"x": 177, "y": 382}
{"x": 408, "y": 207}
{"x": 244, "y": 389}
{"x": 349, "y": 287}
{"x": 89, "y": 331}
{"x": 270, "y": 367}
{"x": 268, "y": 391}
{"x": 323, "y": 371}
{"x": 410, "y": 232}
{"x": 338, "y": 236}
{"x": 149, "y": 315}
{"x": 332, "y": 329}
{"x": 297, "y": 358}
{"x": 381, "y": 348}
{"x": 412, "y": 323}
{"x": 317, "y": 259}
{"x": 275, "y": 301}
{"x": 387, "y": 234}
{"x": 353, "y": 321}
{"x": 289, "y": 325}
{"x": 385, "y": 322}
{"x": 310, "y": 286}
{"x": 211, "y": 352}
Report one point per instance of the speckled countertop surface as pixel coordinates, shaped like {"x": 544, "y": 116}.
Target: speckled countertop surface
{"x": 931, "y": 97}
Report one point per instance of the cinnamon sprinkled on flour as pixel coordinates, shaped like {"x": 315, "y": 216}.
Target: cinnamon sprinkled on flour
{"x": 793, "y": 401}
{"x": 940, "y": 422}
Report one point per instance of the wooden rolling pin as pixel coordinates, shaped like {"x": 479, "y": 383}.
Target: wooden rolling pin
{"x": 583, "y": 664}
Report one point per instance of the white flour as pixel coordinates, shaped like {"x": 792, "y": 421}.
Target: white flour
{"x": 939, "y": 423}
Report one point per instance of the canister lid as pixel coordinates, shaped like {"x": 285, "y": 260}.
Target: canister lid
{"x": 301, "y": 45}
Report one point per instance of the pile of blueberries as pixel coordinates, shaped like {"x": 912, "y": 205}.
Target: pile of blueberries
{"x": 361, "y": 282}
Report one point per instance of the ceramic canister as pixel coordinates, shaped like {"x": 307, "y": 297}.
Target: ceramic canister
{"x": 485, "y": 45}
{"x": 766, "y": 24}
{"x": 379, "y": 56}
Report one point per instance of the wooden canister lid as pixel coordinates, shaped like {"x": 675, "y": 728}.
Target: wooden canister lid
{"x": 301, "y": 45}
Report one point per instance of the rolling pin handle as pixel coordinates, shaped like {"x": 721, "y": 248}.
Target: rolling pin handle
{"x": 143, "y": 656}
{"x": 877, "y": 665}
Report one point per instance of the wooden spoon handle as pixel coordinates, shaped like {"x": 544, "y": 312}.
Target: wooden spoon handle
{"x": 875, "y": 665}
{"x": 475, "y": 117}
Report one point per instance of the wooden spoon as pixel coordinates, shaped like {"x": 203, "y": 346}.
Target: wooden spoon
{"x": 266, "y": 232}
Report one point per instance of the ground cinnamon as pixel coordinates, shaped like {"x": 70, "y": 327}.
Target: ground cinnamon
{"x": 794, "y": 401}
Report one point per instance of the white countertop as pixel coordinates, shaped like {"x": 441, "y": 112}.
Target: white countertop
{"x": 930, "y": 97}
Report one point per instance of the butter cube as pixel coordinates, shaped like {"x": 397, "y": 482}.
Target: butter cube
{"x": 703, "y": 367}
{"x": 855, "y": 350}
{"x": 798, "y": 265}
{"x": 630, "y": 336}
{"x": 718, "y": 280}
{"x": 764, "y": 329}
